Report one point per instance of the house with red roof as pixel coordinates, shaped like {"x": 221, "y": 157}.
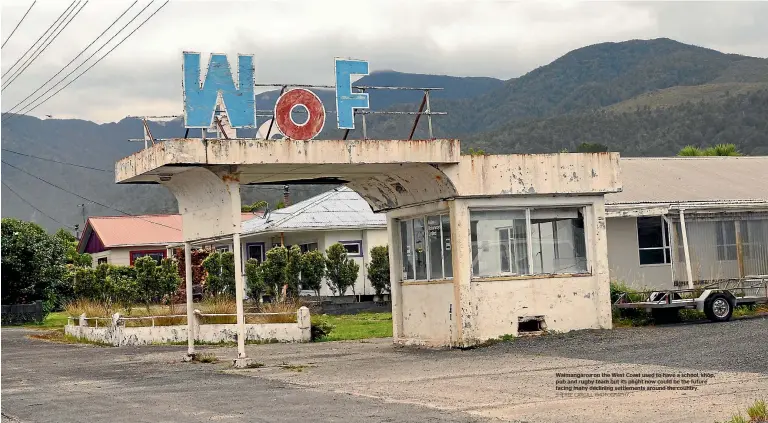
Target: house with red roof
{"x": 120, "y": 240}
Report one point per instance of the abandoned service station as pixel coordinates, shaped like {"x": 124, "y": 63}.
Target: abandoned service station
{"x": 480, "y": 245}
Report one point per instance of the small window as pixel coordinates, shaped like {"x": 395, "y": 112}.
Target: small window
{"x": 726, "y": 239}
{"x": 255, "y": 251}
{"x": 354, "y": 248}
{"x": 102, "y": 260}
{"x": 312, "y": 246}
{"x": 653, "y": 240}
{"x": 222, "y": 248}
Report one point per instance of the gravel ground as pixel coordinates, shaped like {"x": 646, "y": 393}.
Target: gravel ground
{"x": 738, "y": 345}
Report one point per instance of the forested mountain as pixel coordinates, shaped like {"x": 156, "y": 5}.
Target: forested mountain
{"x": 639, "y": 97}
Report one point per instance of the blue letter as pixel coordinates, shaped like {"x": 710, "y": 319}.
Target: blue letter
{"x": 200, "y": 102}
{"x": 346, "y": 100}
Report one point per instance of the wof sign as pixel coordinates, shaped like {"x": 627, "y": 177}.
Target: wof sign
{"x": 239, "y": 98}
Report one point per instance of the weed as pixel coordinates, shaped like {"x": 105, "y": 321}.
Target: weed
{"x": 60, "y": 337}
{"x": 254, "y": 365}
{"x": 205, "y": 358}
{"x": 758, "y": 412}
{"x": 294, "y": 367}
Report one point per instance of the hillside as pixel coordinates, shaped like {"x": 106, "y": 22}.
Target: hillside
{"x": 585, "y": 79}
{"x": 739, "y": 119}
{"x": 100, "y": 145}
{"x": 676, "y": 96}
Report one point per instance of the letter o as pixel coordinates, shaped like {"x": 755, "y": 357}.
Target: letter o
{"x": 285, "y": 123}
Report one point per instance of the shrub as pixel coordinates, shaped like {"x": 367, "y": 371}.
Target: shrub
{"x": 168, "y": 279}
{"x": 273, "y": 270}
{"x": 312, "y": 270}
{"x": 378, "y": 269}
{"x": 321, "y": 327}
{"x": 292, "y": 270}
{"x": 255, "y": 279}
{"x": 220, "y": 268}
{"x": 340, "y": 270}
{"x": 147, "y": 281}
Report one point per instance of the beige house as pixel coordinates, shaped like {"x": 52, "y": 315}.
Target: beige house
{"x": 683, "y": 221}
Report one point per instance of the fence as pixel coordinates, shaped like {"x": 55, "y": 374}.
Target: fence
{"x": 14, "y": 314}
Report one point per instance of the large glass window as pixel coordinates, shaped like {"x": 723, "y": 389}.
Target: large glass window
{"x": 522, "y": 242}
{"x": 726, "y": 239}
{"x": 426, "y": 248}
{"x": 653, "y": 240}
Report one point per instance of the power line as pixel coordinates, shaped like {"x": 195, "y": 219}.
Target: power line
{"x": 26, "y": 110}
{"x": 41, "y": 37}
{"x": 17, "y": 25}
{"x": 84, "y": 198}
{"x": 73, "y": 60}
{"x": 34, "y": 56}
{"x": 56, "y": 161}
{"x": 33, "y": 206}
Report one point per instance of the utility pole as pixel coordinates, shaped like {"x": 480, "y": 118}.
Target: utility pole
{"x": 82, "y": 209}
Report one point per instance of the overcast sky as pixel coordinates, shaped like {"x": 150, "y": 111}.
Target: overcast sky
{"x": 296, "y": 41}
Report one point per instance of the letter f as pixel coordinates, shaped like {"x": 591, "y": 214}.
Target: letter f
{"x": 346, "y": 100}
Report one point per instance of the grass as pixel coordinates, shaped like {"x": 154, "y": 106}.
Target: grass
{"x": 52, "y": 320}
{"x": 60, "y": 337}
{"x": 294, "y": 367}
{"x": 356, "y": 326}
{"x": 208, "y": 358}
{"x": 757, "y": 413}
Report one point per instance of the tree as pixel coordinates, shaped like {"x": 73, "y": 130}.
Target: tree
{"x": 258, "y": 205}
{"x": 32, "y": 264}
{"x": 220, "y": 268}
{"x": 168, "y": 279}
{"x": 255, "y": 279}
{"x": 341, "y": 271}
{"x": 273, "y": 270}
{"x": 147, "y": 280}
{"x": 691, "y": 151}
{"x": 293, "y": 270}
{"x": 378, "y": 269}
{"x": 122, "y": 286}
{"x": 312, "y": 270}
{"x": 588, "y": 147}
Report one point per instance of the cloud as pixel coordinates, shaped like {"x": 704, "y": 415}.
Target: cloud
{"x": 295, "y": 41}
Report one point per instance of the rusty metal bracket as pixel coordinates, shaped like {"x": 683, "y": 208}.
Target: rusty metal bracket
{"x": 416, "y": 122}
{"x": 272, "y": 121}
{"x": 346, "y": 134}
{"x": 148, "y": 133}
{"x": 221, "y": 127}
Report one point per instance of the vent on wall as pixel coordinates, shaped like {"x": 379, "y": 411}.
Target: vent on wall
{"x": 530, "y": 325}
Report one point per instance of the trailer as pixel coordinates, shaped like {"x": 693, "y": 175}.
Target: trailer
{"x": 716, "y": 300}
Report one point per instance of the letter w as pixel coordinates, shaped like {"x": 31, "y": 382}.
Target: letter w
{"x": 200, "y": 101}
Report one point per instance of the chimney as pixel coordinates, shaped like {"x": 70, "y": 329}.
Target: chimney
{"x": 286, "y": 196}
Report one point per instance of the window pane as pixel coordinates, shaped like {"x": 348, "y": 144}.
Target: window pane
{"x": 447, "y": 257}
{"x": 255, "y": 252}
{"x": 487, "y": 245}
{"x": 406, "y": 242}
{"x": 435, "y": 247}
{"x": 558, "y": 241}
{"x": 352, "y": 248}
{"x": 504, "y": 249}
{"x": 649, "y": 232}
{"x": 420, "y": 249}
{"x": 655, "y": 256}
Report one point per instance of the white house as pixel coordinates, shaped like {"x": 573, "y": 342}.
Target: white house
{"x": 339, "y": 215}
{"x": 688, "y": 220}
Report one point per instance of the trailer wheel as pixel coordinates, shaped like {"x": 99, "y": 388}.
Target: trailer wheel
{"x": 718, "y": 308}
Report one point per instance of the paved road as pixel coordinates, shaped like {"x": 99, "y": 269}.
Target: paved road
{"x": 374, "y": 381}
{"x": 47, "y": 382}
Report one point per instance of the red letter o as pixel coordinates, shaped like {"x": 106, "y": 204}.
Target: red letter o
{"x": 285, "y": 105}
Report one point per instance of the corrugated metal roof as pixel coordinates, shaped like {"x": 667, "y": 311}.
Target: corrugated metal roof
{"x": 692, "y": 179}
{"x": 156, "y": 229}
{"x": 335, "y": 209}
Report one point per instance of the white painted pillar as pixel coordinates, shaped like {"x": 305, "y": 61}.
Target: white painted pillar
{"x": 684, "y": 233}
{"x": 239, "y": 291}
{"x": 461, "y": 253}
{"x": 395, "y": 276}
{"x": 190, "y": 307}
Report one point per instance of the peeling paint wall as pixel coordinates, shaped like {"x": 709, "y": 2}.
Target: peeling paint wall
{"x": 427, "y": 314}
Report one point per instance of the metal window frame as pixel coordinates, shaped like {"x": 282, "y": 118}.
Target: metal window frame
{"x": 665, "y": 243}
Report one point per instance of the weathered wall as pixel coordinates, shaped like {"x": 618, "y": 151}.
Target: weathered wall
{"x": 624, "y": 257}
{"x": 214, "y": 333}
{"x": 566, "y": 304}
{"x": 427, "y": 313}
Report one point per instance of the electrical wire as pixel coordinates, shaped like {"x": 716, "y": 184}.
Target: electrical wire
{"x": 33, "y": 206}
{"x": 84, "y": 198}
{"x": 28, "y": 110}
{"x": 34, "y": 57}
{"x": 72, "y": 61}
{"x": 17, "y": 25}
{"x": 56, "y": 161}
{"x": 41, "y": 37}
